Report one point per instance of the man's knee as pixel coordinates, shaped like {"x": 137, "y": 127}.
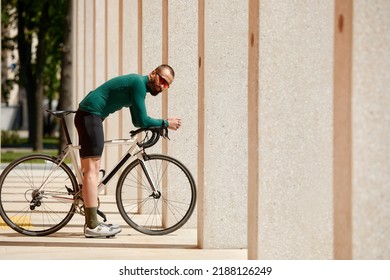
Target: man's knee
{"x": 91, "y": 165}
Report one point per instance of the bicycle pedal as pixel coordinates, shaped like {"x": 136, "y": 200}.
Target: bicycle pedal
{"x": 70, "y": 191}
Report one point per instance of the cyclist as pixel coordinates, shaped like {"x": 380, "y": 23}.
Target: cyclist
{"x": 123, "y": 91}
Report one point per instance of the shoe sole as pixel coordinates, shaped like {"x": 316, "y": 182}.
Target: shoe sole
{"x": 108, "y": 236}
{"x": 103, "y": 236}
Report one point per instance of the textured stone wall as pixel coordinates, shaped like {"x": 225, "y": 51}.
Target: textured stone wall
{"x": 371, "y": 130}
{"x": 293, "y": 207}
{"x": 295, "y": 128}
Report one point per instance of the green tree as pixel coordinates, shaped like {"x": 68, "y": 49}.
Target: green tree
{"x": 43, "y": 27}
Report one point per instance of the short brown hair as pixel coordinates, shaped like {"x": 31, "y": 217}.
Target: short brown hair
{"x": 166, "y": 66}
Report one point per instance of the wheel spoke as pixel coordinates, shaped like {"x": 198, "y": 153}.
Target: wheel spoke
{"x": 162, "y": 215}
{"x": 29, "y": 209}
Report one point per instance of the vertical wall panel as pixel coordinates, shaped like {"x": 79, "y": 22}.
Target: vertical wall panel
{"x": 342, "y": 129}
{"x": 129, "y": 51}
{"x": 165, "y": 49}
{"x": 371, "y": 130}
{"x": 111, "y": 124}
{"x": 89, "y": 42}
{"x": 225, "y": 167}
{"x": 295, "y": 145}
{"x": 75, "y": 78}
{"x": 201, "y": 125}
{"x": 152, "y": 52}
{"x": 182, "y": 96}
{"x": 100, "y": 45}
{"x": 80, "y": 50}
{"x": 253, "y": 129}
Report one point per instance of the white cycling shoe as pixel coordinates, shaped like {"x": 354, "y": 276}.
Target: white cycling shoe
{"x": 114, "y": 226}
{"x": 102, "y": 230}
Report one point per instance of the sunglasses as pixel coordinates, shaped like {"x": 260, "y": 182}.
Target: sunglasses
{"x": 162, "y": 81}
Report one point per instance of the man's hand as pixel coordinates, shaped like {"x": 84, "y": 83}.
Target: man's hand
{"x": 174, "y": 123}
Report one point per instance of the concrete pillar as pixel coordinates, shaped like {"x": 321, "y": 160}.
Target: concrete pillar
{"x": 294, "y": 188}
{"x": 112, "y": 124}
{"x": 371, "y": 130}
{"x": 223, "y": 209}
{"x": 152, "y": 53}
{"x": 99, "y": 47}
{"x": 79, "y": 54}
{"x": 182, "y": 96}
{"x": 129, "y": 56}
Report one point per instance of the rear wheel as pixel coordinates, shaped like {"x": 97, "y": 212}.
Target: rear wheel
{"x": 29, "y": 208}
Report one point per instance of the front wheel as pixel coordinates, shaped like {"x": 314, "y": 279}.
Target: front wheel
{"x": 36, "y": 195}
{"x": 156, "y": 213}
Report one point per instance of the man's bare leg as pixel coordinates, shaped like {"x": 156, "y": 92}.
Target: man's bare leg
{"x": 91, "y": 168}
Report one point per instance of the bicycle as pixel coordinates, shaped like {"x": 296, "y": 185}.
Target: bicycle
{"x": 155, "y": 193}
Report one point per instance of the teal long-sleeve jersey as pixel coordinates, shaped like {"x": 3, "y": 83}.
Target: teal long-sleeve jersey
{"x": 122, "y": 91}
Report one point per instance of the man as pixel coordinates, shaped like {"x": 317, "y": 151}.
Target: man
{"x": 123, "y": 91}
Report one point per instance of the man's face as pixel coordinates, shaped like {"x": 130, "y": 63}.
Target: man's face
{"x": 159, "y": 80}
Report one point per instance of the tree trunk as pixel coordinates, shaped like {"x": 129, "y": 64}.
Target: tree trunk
{"x": 26, "y": 77}
{"x": 65, "y": 100}
{"x": 41, "y": 60}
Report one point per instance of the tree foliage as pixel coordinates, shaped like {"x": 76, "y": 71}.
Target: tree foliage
{"x": 41, "y": 45}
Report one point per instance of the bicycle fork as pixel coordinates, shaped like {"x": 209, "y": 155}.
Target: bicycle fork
{"x": 156, "y": 194}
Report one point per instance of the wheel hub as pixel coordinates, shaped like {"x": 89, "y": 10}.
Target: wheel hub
{"x": 156, "y": 194}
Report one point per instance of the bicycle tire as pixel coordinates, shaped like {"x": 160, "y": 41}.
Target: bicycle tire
{"x": 150, "y": 215}
{"x": 29, "y": 211}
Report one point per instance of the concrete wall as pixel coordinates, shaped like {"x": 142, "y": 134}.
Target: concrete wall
{"x": 295, "y": 125}
{"x": 225, "y": 130}
{"x": 269, "y": 97}
{"x": 371, "y": 130}
{"x": 182, "y": 31}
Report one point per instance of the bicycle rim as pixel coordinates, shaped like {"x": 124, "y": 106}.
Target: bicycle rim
{"x": 26, "y": 209}
{"x": 152, "y": 215}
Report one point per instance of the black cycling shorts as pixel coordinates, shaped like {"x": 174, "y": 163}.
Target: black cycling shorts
{"x": 91, "y": 136}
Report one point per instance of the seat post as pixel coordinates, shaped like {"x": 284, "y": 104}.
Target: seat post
{"x": 65, "y": 128}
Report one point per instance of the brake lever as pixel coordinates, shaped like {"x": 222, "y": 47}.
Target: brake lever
{"x": 164, "y": 133}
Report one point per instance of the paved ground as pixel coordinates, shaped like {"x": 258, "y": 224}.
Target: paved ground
{"x": 69, "y": 244}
